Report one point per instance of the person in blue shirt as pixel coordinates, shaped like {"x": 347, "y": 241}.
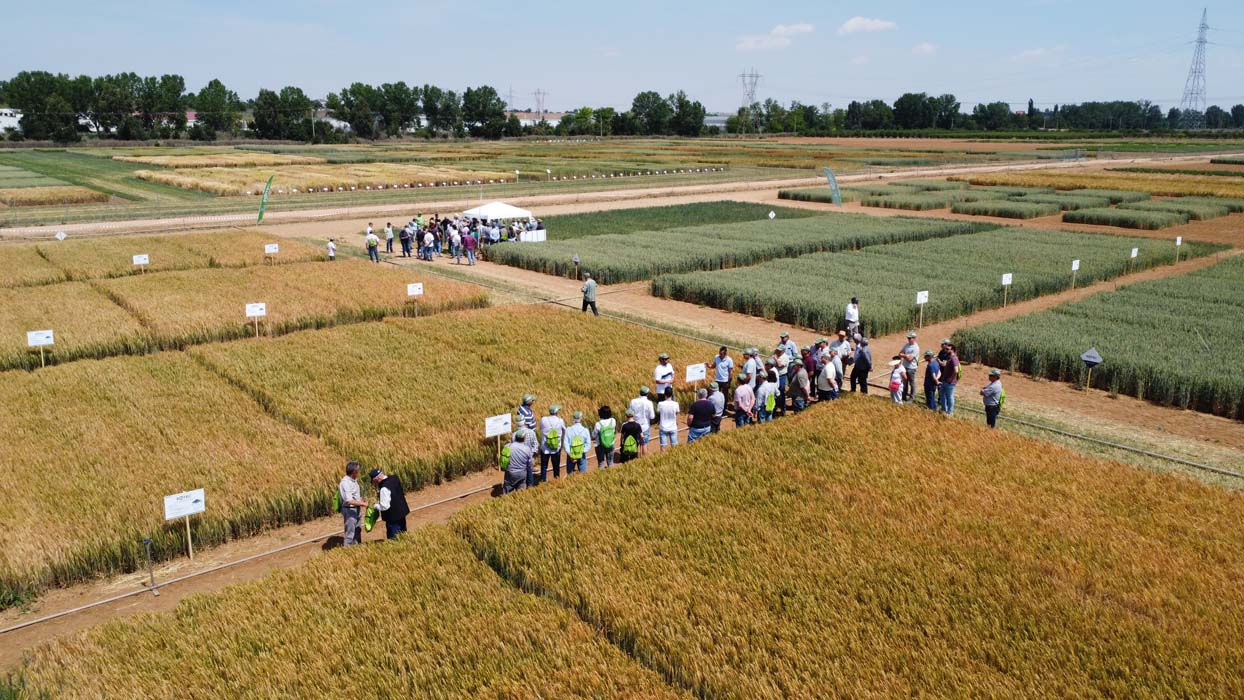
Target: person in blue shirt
{"x": 932, "y": 377}
{"x": 723, "y": 366}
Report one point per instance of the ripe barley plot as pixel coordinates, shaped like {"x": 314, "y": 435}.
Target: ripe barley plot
{"x": 919, "y": 566}
{"x": 85, "y": 322}
{"x": 420, "y": 617}
{"x": 22, "y": 265}
{"x": 1197, "y": 316}
{"x": 636, "y": 256}
{"x": 95, "y": 445}
{"x": 410, "y": 396}
{"x": 963, "y": 275}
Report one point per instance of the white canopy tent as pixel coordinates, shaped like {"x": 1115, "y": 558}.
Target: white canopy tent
{"x": 496, "y": 210}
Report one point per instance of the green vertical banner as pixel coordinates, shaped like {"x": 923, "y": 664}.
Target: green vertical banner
{"x": 833, "y": 186}
{"x": 263, "y": 203}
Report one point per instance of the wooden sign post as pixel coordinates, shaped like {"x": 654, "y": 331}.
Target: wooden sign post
{"x": 257, "y": 311}
{"x": 922, "y": 298}
{"x": 414, "y": 290}
{"x": 496, "y": 426}
{"x": 1075, "y": 267}
{"x": 1006, "y": 285}
{"x": 40, "y": 339}
{"x": 269, "y": 250}
{"x": 1132, "y": 260}
{"x": 697, "y": 373}
{"x": 184, "y": 505}
{"x": 1179, "y": 241}
{"x": 142, "y": 261}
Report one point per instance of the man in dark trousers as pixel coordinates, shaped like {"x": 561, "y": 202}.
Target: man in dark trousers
{"x": 391, "y": 503}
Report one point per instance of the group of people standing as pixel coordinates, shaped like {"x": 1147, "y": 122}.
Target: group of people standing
{"x": 456, "y": 237}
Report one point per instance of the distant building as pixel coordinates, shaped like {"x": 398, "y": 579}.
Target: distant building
{"x": 717, "y": 120}
{"x": 9, "y": 118}
{"x": 533, "y": 118}
{"x": 192, "y": 118}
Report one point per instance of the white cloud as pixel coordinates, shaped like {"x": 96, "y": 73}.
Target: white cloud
{"x": 924, "y": 48}
{"x": 859, "y": 61}
{"x": 778, "y": 38}
{"x": 865, "y": 24}
{"x": 1038, "y": 53}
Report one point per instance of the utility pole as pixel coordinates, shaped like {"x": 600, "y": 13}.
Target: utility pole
{"x": 1192, "y": 106}
{"x": 749, "y": 80}
{"x": 540, "y": 95}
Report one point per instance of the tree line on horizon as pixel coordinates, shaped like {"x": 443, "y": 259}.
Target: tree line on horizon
{"x": 129, "y": 107}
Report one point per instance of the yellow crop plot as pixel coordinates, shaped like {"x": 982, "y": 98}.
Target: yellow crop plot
{"x": 21, "y": 264}
{"x": 84, "y": 322}
{"x": 1161, "y": 185}
{"x": 56, "y": 194}
{"x": 232, "y": 159}
{"x": 304, "y": 178}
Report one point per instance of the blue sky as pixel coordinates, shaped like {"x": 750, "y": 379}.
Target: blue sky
{"x": 603, "y": 53}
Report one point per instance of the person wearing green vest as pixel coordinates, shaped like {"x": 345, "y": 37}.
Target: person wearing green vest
{"x": 605, "y": 435}
{"x": 577, "y": 444}
{"x": 552, "y": 428}
{"x": 589, "y": 293}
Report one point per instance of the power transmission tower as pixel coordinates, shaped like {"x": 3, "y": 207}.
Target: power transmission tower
{"x": 1192, "y": 106}
{"x": 749, "y": 79}
{"x": 540, "y": 95}
{"x": 509, "y": 99}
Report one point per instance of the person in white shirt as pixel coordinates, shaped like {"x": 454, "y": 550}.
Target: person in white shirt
{"x": 668, "y": 412}
{"x": 644, "y": 413}
{"x": 605, "y": 437}
{"x": 552, "y": 430}
{"x": 852, "y": 316}
{"x": 332, "y": 249}
{"x": 388, "y": 237}
{"x": 373, "y": 246}
{"x": 391, "y": 502}
{"x": 351, "y": 502}
{"x": 428, "y": 240}
{"x": 753, "y": 367}
{"x": 663, "y": 375}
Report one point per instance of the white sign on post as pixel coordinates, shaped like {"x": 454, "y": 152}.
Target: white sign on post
{"x": 187, "y": 503}
{"x": 271, "y": 248}
{"x": 1006, "y": 279}
{"x": 60, "y": 235}
{"x": 1179, "y": 240}
{"x": 142, "y": 259}
{"x": 922, "y": 297}
{"x": 38, "y": 339}
{"x": 414, "y": 289}
{"x": 1075, "y": 265}
{"x": 496, "y": 426}
{"x": 256, "y": 310}
{"x": 1135, "y": 252}
{"x": 697, "y": 373}
{"x": 772, "y": 215}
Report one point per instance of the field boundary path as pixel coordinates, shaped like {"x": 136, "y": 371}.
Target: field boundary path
{"x": 640, "y": 197}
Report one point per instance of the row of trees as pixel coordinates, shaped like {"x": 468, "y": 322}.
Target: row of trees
{"x": 916, "y": 111}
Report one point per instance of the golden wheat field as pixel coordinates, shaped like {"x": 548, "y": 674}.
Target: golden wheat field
{"x": 233, "y": 159}
{"x": 95, "y": 445}
{"x": 86, "y": 258}
{"x": 412, "y": 394}
{"x": 199, "y": 306}
{"x": 21, "y": 264}
{"x": 421, "y": 617}
{"x": 56, "y": 194}
{"x": 869, "y": 550}
{"x": 303, "y": 178}
{"x": 84, "y": 321}
{"x": 1162, "y": 185}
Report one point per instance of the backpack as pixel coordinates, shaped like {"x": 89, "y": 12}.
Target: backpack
{"x": 577, "y": 447}
{"x": 336, "y": 501}
{"x": 771, "y": 402}
{"x": 552, "y": 440}
{"x": 630, "y": 446}
{"x": 607, "y": 435}
{"x": 505, "y": 457}
{"x": 1002, "y": 399}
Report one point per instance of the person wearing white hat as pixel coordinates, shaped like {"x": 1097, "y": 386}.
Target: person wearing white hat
{"x": 911, "y": 362}
{"x": 898, "y": 375}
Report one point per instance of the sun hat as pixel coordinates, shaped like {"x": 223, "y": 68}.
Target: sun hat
{"x": 554, "y": 409}
{"x": 894, "y": 363}
{"x": 643, "y": 390}
{"x": 784, "y": 335}
{"x": 928, "y": 353}
{"x": 529, "y": 398}
{"x": 630, "y": 412}
{"x": 663, "y": 356}
{"x": 798, "y": 362}
{"x": 578, "y": 415}
{"x": 374, "y": 473}
{"x": 911, "y": 334}
{"x": 945, "y": 341}
{"x": 995, "y": 373}
{"x": 841, "y": 334}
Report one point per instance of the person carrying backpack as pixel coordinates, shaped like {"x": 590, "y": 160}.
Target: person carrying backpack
{"x": 632, "y": 435}
{"x": 577, "y": 443}
{"x": 552, "y": 428}
{"x": 766, "y": 398}
{"x": 517, "y": 461}
{"x": 605, "y": 435}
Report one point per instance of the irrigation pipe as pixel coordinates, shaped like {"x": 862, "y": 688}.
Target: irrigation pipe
{"x": 226, "y": 565}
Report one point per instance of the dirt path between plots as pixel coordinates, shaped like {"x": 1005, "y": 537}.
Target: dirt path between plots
{"x": 592, "y": 200}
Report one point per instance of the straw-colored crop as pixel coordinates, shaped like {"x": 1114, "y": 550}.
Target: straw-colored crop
{"x": 810, "y": 290}
{"x": 39, "y": 196}
{"x": 235, "y": 159}
{"x": 421, "y": 617}
{"x": 199, "y": 306}
{"x": 21, "y": 264}
{"x": 636, "y": 256}
{"x": 870, "y": 550}
{"x": 85, "y": 258}
{"x": 411, "y": 395}
{"x": 1161, "y": 185}
{"x": 95, "y": 445}
{"x": 304, "y": 178}
{"x": 84, "y": 323}
{"x": 1201, "y": 313}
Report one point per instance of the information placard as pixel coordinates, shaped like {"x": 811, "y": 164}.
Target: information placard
{"x": 186, "y": 503}
{"x": 143, "y": 259}
{"x": 38, "y": 339}
{"x": 414, "y": 289}
{"x": 495, "y": 426}
{"x": 1006, "y": 279}
{"x": 256, "y": 310}
{"x": 1075, "y": 265}
{"x": 1135, "y": 252}
{"x": 697, "y": 373}
{"x": 60, "y": 235}
{"x": 1179, "y": 240}
{"x": 922, "y": 297}
{"x": 271, "y": 248}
